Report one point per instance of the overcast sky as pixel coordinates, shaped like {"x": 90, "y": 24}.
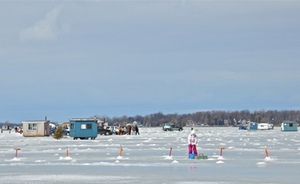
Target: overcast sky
{"x": 66, "y": 59}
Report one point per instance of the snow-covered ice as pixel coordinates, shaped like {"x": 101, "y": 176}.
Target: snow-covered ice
{"x": 148, "y": 158}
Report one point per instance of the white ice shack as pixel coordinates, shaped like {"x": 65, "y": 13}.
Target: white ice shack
{"x": 264, "y": 126}
{"x": 36, "y": 128}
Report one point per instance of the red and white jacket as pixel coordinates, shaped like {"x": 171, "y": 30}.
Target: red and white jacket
{"x": 192, "y": 139}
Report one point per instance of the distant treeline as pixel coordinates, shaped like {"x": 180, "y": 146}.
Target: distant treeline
{"x": 210, "y": 118}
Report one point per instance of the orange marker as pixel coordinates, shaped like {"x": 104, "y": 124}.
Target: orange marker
{"x": 17, "y": 149}
{"x": 170, "y": 153}
{"x": 221, "y": 150}
{"x": 121, "y": 150}
{"x": 67, "y": 152}
{"x": 267, "y": 153}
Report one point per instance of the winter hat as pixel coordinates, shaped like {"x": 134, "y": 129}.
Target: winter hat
{"x": 193, "y": 132}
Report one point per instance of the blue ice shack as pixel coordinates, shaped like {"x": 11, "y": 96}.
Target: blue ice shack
{"x": 83, "y": 128}
{"x": 289, "y": 126}
{"x": 242, "y": 127}
{"x": 252, "y": 126}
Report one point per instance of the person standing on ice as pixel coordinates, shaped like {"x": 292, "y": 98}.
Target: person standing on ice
{"x": 192, "y": 142}
{"x": 137, "y": 130}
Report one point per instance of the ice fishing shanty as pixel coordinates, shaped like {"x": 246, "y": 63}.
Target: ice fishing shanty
{"x": 264, "y": 126}
{"x": 83, "y": 128}
{"x": 289, "y": 126}
{"x": 252, "y": 126}
{"x": 36, "y": 128}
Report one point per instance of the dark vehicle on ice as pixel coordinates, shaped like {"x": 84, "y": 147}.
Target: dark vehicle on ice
{"x": 104, "y": 131}
{"x": 169, "y": 127}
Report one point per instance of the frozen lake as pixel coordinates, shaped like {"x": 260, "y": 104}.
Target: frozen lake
{"x": 146, "y": 158}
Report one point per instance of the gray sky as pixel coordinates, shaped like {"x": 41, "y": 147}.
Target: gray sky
{"x": 65, "y": 59}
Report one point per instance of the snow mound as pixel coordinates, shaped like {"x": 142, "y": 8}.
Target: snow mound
{"x": 261, "y": 163}
{"x": 175, "y": 162}
{"x": 65, "y": 158}
{"x": 221, "y": 158}
{"x": 169, "y": 157}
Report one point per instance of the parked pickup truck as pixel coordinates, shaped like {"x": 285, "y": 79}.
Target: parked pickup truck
{"x": 104, "y": 131}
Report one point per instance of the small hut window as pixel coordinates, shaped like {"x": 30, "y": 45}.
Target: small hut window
{"x": 83, "y": 126}
{"x": 32, "y": 126}
{"x": 290, "y": 124}
{"x": 88, "y": 126}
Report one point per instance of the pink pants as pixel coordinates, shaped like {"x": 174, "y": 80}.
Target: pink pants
{"x": 192, "y": 149}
